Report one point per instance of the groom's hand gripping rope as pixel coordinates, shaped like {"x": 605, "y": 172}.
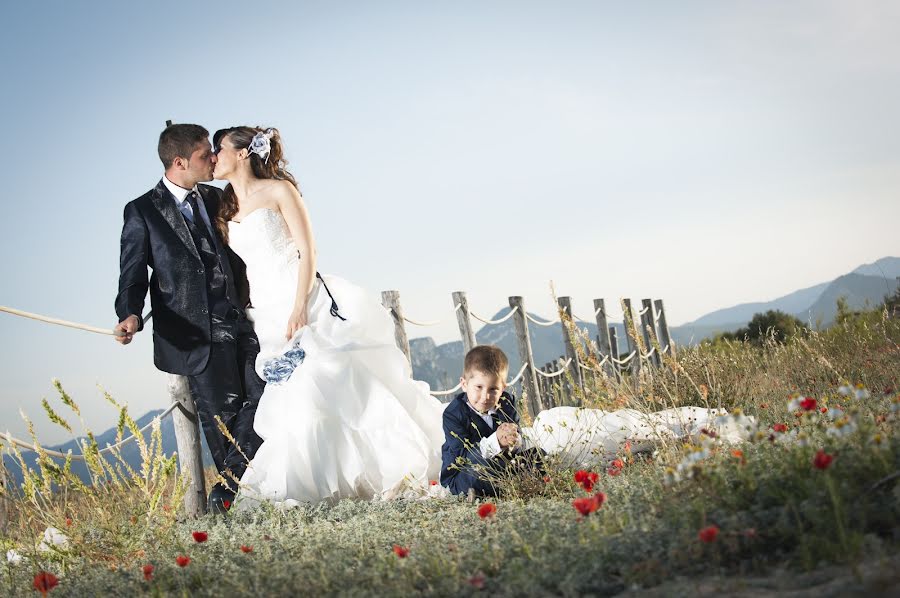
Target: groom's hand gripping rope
{"x": 126, "y": 329}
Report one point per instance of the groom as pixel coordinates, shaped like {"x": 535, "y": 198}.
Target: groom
{"x": 197, "y": 296}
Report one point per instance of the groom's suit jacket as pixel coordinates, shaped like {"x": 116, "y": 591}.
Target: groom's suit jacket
{"x": 155, "y": 235}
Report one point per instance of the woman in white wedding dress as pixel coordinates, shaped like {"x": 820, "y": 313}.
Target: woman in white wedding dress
{"x": 340, "y": 415}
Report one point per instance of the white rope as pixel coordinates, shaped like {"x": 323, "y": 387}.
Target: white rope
{"x": 623, "y": 361}
{"x": 643, "y": 311}
{"x": 657, "y": 316}
{"x": 414, "y": 323}
{"x": 519, "y": 375}
{"x": 665, "y": 349}
{"x": 497, "y": 321}
{"x": 458, "y": 305}
{"x": 49, "y": 320}
{"x": 582, "y": 320}
{"x": 33, "y": 447}
{"x": 589, "y": 368}
{"x": 440, "y": 393}
{"x": 648, "y": 354}
{"x": 539, "y": 323}
{"x": 558, "y": 372}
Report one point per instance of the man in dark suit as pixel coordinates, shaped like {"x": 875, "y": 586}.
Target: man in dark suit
{"x": 481, "y": 426}
{"x": 200, "y": 329}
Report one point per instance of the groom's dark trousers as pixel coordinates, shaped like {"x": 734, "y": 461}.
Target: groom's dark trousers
{"x": 198, "y": 291}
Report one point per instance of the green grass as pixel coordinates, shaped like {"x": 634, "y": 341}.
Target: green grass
{"x": 776, "y": 513}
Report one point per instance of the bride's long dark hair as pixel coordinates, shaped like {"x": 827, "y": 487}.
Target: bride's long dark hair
{"x": 273, "y": 168}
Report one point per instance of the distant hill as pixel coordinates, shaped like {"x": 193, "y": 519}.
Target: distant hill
{"x": 860, "y": 291}
{"x": 886, "y": 267}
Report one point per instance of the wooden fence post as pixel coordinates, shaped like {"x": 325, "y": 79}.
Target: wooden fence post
{"x": 631, "y": 335}
{"x": 665, "y": 340}
{"x": 565, "y": 306}
{"x": 648, "y": 323}
{"x": 614, "y": 350}
{"x": 529, "y": 376}
{"x": 187, "y": 438}
{"x": 391, "y": 300}
{"x": 603, "y": 336}
{"x": 462, "y": 318}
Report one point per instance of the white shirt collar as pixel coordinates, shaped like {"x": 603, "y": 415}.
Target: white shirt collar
{"x": 180, "y": 193}
{"x": 487, "y": 417}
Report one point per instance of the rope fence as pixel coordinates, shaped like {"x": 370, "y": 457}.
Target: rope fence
{"x": 539, "y": 323}
{"x": 497, "y": 321}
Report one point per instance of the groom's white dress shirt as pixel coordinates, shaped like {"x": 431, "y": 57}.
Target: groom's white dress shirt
{"x": 181, "y": 201}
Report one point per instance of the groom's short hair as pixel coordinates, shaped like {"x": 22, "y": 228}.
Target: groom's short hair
{"x": 487, "y": 359}
{"x": 179, "y": 141}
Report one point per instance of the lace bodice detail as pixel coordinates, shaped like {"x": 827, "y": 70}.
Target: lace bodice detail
{"x": 262, "y": 239}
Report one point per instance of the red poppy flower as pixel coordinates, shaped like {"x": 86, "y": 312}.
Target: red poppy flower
{"x": 182, "y": 560}
{"x": 782, "y": 428}
{"x": 586, "y": 479}
{"x": 709, "y": 534}
{"x": 226, "y": 504}
{"x": 822, "y": 460}
{"x": 808, "y": 404}
{"x": 477, "y": 581}
{"x": 586, "y": 506}
{"x": 764, "y": 405}
{"x": 245, "y": 548}
{"x": 148, "y": 571}
{"x": 68, "y": 521}
{"x": 432, "y": 483}
{"x": 486, "y": 510}
{"x": 200, "y": 537}
{"x": 44, "y": 582}
{"x": 546, "y": 479}
{"x": 400, "y": 551}
{"x": 824, "y": 409}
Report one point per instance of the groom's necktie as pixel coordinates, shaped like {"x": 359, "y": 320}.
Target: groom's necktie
{"x": 198, "y": 221}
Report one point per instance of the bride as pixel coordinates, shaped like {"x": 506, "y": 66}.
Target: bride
{"x": 340, "y": 415}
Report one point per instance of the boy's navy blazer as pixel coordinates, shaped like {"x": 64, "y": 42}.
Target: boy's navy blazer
{"x": 462, "y": 423}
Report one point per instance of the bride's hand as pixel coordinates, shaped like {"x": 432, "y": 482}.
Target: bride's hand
{"x": 297, "y": 321}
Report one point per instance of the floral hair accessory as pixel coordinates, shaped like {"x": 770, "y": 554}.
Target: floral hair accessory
{"x": 261, "y": 144}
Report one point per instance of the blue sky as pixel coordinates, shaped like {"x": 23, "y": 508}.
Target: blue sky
{"x": 709, "y": 153}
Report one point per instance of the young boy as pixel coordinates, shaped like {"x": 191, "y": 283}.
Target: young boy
{"x": 481, "y": 425}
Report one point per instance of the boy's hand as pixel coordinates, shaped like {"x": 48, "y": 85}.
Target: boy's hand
{"x": 507, "y": 435}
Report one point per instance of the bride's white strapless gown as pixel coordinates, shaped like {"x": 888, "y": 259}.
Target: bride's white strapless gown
{"x": 349, "y": 421}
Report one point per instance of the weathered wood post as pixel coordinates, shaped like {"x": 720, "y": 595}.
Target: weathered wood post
{"x": 603, "y": 346}
{"x": 648, "y": 323}
{"x": 523, "y": 339}
{"x": 187, "y": 438}
{"x": 464, "y": 321}
{"x": 4, "y": 494}
{"x": 391, "y": 300}
{"x": 631, "y": 335}
{"x": 565, "y": 307}
{"x": 665, "y": 340}
{"x": 614, "y": 351}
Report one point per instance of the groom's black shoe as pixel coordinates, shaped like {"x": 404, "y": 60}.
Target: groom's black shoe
{"x": 220, "y": 499}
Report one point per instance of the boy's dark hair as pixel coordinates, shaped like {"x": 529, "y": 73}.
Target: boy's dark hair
{"x": 179, "y": 141}
{"x": 487, "y": 359}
